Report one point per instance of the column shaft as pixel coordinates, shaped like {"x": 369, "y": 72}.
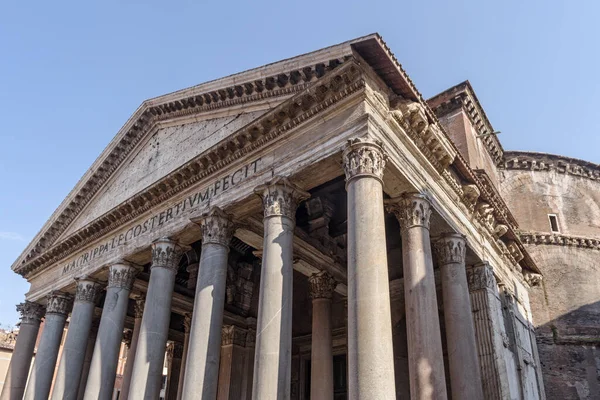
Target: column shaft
{"x": 425, "y": 356}
{"x": 272, "y": 362}
{"x": 40, "y": 380}
{"x": 465, "y": 376}
{"x": 370, "y": 348}
{"x": 148, "y": 365}
{"x": 68, "y": 376}
{"x": 18, "y": 370}
{"x": 139, "y": 310}
{"x": 231, "y": 367}
{"x": 89, "y": 353}
{"x": 202, "y": 370}
{"x": 321, "y": 287}
{"x": 103, "y": 368}
{"x": 187, "y": 321}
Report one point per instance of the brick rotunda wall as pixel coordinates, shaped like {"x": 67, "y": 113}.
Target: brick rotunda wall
{"x": 566, "y": 304}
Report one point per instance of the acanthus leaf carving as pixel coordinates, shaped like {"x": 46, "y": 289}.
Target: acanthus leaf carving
{"x": 411, "y": 209}
{"x": 88, "y": 290}
{"x": 59, "y": 303}
{"x": 321, "y": 285}
{"x": 122, "y": 275}
{"x": 281, "y": 197}
{"x": 364, "y": 157}
{"x": 217, "y": 227}
{"x": 451, "y": 248}
{"x": 166, "y": 253}
{"x": 31, "y": 313}
{"x": 231, "y": 334}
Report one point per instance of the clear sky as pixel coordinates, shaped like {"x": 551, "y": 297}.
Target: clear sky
{"x": 72, "y": 72}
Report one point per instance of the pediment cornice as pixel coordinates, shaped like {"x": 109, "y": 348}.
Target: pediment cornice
{"x": 322, "y": 86}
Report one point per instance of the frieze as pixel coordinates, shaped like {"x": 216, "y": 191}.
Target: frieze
{"x": 217, "y": 227}
{"x": 539, "y": 238}
{"x": 59, "y": 303}
{"x": 281, "y": 197}
{"x": 321, "y": 285}
{"x": 88, "y": 290}
{"x": 231, "y": 334}
{"x": 162, "y": 218}
{"x": 31, "y": 313}
{"x": 166, "y": 253}
{"x": 411, "y": 209}
{"x": 451, "y": 248}
{"x": 122, "y": 275}
{"x": 364, "y": 157}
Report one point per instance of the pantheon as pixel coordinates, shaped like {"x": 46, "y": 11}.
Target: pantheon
{"x": 310, "y": 229}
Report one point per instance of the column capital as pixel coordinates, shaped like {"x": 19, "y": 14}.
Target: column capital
{"x": 166, "y": 254}
{"x": 217, "y": 227}
{"x": 88, "y": 290}
{"x": 231, "y": 334}
{"x": 411, "y": 209}
{"x": 127, "y": 337}
{"x": 481, "y": 276}
{"x": 59, "y": 303}
{"x": 280, "y": 197}
{"x": 138, "y": 306}
{"x": 187, "y": 322}
{"x": 364, "y": 157}
{"x": 451, "y": 248}
{"x": 321, "y": 285}
{"x": 122, "y": 275}
{"x": 31, "y": 313}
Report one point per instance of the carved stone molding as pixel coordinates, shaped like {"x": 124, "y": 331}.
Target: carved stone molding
{"x": 411, "y": 209}
{"x": 217, "y": 227}
{"x": 481, "y": 277}
{"x": 231, "y": 334}
{"x": 281, "y": 197}
{"x": 166, "y": 253}
{"x": 471, "y": 194}
{"x": 187, "y": 322}
{"x": 122, "y": 275}
{"x": 532, "y": 279}
{"x": 88, "y": 290}
{"x": 31, "y": 313}
{"x": 451, "y": 248}
{"x": 59, "y": 303}
{"x": 364, "y": 157}
{"x": 549, "y": 163}
{"x": 138, "y": 307}
{"x": 321, "y": 285}
{"x": 538, "y": 238}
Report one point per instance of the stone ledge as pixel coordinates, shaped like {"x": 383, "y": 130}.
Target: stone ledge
{"x": 539, "y": 238}
{"x": 532, "y": 161}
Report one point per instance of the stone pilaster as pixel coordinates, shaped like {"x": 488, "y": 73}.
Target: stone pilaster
{"x": 231, "y": 368}
{"x": 425, "y": 357}
{"x": 148, "y": 364}
{"x": 272, "y": 363}
{"x": 370, "y": 348}
{"x": 487, "y": 316}
{"x": 202, "y": 370}
{"x": 465, "y": 376}
{"x": 320, "y": 289}
{"x": 103, "y": 368}
{"x": 138, "y": 312}
{"x": 40, "y": 380}
{"x": 18, "y": 369}
{"x": 187, "y": 326}
{"x": 174, "y": 356}
{"x": 68, "y": 376}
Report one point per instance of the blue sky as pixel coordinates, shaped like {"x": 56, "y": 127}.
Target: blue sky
{"x": 71, "y": 73}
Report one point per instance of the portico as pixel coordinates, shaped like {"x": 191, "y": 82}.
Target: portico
{"x": 280, "y": 247}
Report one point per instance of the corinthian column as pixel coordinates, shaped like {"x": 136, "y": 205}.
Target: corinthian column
{"x": 321, "y": 287}
{"x": 370, "y": 348}
{"x": 66, "y": 384}
{"x": 89, "y": 352}
{"x": 425, "y": 357}
{"x": 138, "y": 311}
{"x": 103, "y": 368}
{"x": 40, "y": 380}
{"x": 150, "y": 354}
{"x": 272, "y": 363}
{"x": 202, "y": 370}
{"x": 18, "y": 370}
{"x": 465, "y": 377}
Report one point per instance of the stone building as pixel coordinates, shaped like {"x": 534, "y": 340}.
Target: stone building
{"x": 313, "y": 229}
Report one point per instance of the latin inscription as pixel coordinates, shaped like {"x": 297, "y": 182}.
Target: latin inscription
{"x": 217, "y": 187}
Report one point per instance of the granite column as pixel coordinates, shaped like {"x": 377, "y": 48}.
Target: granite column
{"x": 70, "y": 367}
{"x": 370, "y": 348}
{"x": 273, "y": 354}
{"x": 202, "y": 369}
{"x": 425, "y": 356}
{"x": 150, "y": 354}
{"x": 187, "y": 325}
{"x": 40, "y": 380}
{"x": 18, "y": 370}
{"x": 465, "y": 376}
{"x": 89, "y": 352}
{"x": 103, "y": 368}
{"x": 321, "y": 287}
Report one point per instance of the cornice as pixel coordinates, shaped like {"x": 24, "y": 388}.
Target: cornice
{"x": 144, "y": 120}
{"x": 532, "y": 161}
{"x": 540, "y": 238}
{"x": 320, "y": 95}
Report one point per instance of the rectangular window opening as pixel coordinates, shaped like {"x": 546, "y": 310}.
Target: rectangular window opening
{"x": 553, "y": 223}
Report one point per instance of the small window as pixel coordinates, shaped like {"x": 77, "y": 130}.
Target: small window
{"x": 553, "y": 223}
